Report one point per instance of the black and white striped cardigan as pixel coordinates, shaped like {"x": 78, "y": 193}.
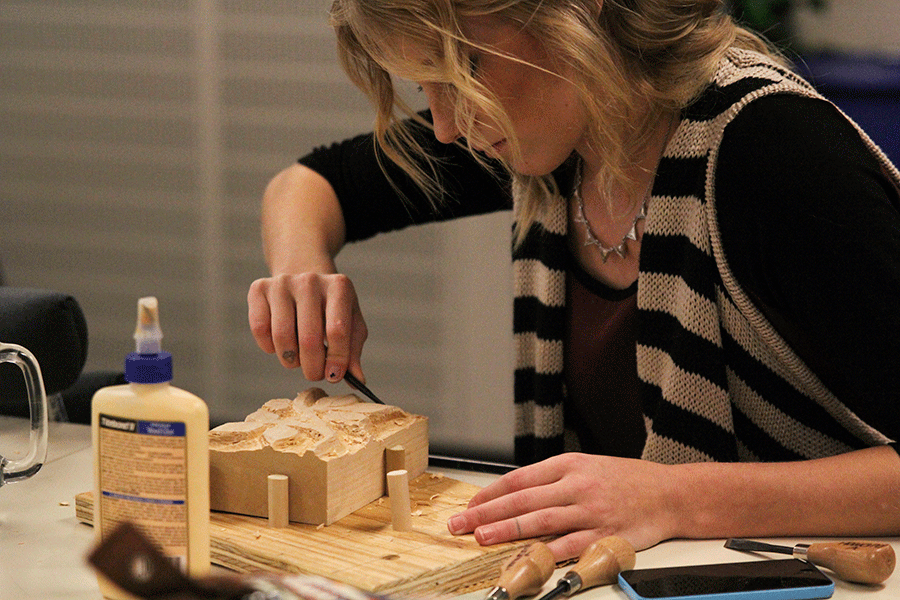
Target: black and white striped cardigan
{"x": 718, "y": 383}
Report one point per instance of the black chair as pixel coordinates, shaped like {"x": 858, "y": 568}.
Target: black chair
{"x": 52, "y": 326}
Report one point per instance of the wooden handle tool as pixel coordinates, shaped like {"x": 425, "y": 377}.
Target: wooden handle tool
{"x": 524, "y": 574}
{"x": 857, "y": 562}
{"x": 599, "y": 564}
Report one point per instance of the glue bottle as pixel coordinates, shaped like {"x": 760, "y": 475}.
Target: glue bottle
{"x": 151, "y": 455}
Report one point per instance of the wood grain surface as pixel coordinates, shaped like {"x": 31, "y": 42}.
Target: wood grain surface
{"x": 362, "y": 549}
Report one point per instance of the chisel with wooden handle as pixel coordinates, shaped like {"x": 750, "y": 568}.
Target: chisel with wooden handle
{"x": 857, "y": 562}
{"x": 524, "y": 574}
{"x": 599, "y": 564}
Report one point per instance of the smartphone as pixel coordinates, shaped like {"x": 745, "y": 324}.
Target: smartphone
{"x": 789, "y": 579}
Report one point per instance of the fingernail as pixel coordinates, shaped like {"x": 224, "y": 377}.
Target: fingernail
{"x": 456, "y": 524}
{"x": 334, "y": 373}
{"x": 486, "y": 534}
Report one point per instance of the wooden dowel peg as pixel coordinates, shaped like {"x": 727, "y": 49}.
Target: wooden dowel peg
{"x": 394, "y": 459}
{"x": 279, "y": 497}
{"x": 398, "y": 490}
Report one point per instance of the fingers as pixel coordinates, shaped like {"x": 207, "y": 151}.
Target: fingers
{"x": 546, "y": 521}
{"x": 568, "y": 522}
{"x": 345, "y": 330}
{"x": 307, "y": 294}
{"x": 272, "y": 319}
{"x": 260, "y": 316}
{"x": 573, "y": 544}
{"x": 310, "y": 321}
{"x": 525, "y": 503}
{"x": 357, "y": 339}
{"x": 523, "y": 478}
{"x": 578, "y": 497}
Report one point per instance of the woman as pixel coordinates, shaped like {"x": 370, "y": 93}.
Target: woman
{"x": 706, "y": 258}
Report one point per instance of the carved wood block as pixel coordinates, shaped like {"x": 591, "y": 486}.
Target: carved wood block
{"x": 330, "y": 447}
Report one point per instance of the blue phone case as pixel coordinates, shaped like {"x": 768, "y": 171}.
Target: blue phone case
{"x": 673, "y": 583}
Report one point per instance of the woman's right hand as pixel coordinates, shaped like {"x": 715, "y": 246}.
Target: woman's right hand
{"x": 310, "y": 320}
{"x": 306, "y": 312}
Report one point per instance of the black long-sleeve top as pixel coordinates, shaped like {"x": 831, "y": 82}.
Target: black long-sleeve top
{"x": 809, "y": 223}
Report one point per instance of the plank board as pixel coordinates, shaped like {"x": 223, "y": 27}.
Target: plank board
{"x": 362, "y": 549}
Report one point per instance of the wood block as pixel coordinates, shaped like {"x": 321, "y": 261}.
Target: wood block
{"x": 362, "y": 549}
{"x": 330, "y": 447}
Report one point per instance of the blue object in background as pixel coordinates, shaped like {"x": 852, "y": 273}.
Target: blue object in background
{"x": 867, "y": 88}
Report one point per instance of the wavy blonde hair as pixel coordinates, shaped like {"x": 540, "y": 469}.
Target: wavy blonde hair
{"x": 630, "y": 60}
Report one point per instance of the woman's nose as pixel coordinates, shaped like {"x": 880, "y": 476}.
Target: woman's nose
{"x": 443, "y": 115}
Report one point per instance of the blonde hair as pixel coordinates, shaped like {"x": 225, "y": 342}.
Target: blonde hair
{"x": 630, "y": 60}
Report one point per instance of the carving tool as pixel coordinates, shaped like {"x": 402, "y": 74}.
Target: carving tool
{"x": 469, "y": 464}
{"x": 524, "y": 574}
{"x": 349, "y": 378}
{"x": 857, "y": 562}
{"x": 352, "y": 380}
{"x": 599, "y": 564}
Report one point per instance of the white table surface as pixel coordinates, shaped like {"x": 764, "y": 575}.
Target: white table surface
{"x": 42, "y": 545}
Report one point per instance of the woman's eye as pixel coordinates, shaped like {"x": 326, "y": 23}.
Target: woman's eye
{"x": 474, "y": 62}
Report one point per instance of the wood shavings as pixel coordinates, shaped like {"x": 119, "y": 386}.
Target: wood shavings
{"x": 417, "y": 513}
{"x": 433, "y": 496}
{"x": 320, "y": 526}
{"x": 436, "y": 475}
{"x": 63, "y": 503}
{"x": 257, "y": 535}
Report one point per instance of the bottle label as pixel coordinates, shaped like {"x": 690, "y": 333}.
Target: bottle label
{"x": 143, "y": 479}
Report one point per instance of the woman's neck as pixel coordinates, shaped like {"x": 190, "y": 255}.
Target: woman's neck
{"x": 627, "y": 194}
{"x": 610, "y": 216}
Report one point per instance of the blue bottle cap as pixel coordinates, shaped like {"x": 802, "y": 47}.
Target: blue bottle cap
{"x": 148, "y": 368}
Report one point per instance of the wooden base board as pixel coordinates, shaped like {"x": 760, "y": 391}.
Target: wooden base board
{"x": 362, "y": 549}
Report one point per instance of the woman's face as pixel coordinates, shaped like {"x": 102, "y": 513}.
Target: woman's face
{"x": 546, "y": 116}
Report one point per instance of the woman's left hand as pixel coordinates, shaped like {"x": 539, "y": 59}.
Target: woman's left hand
{"x": 580, "y": 497}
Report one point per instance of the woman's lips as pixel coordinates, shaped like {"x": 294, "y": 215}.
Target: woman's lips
{"x": 495, "y": 149}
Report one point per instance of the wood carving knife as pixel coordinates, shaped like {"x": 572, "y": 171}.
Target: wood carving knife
{"x": 524, "y": 573}
{"x": 599, "y": 564}
{"x": 352, "y": 380}
{"x": 349, "y": 378}
{"x": 857, "y": 562}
